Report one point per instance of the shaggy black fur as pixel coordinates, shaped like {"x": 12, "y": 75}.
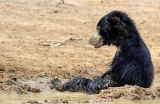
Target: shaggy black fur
{"x": 131, "y": 65}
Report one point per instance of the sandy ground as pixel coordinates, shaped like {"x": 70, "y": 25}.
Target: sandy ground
{"x": 31, "y": 28}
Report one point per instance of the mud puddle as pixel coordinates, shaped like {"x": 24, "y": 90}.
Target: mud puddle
{"x": 55, "y": 97}
{"x": 51, "y": 96}
{"x": 48, "y": 96}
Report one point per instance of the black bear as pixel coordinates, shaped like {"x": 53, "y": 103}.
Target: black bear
{"x": 131, "y": 64}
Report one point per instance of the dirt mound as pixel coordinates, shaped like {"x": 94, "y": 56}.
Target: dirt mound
{"x": 130, "y": 93}
{"x": 12, "y": 86}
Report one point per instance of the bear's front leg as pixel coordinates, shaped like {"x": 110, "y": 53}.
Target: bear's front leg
{"x": 83, "y": 84}
{"x": 101, "y": 82}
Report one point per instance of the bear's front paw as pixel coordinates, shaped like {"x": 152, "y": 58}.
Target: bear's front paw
{"x": 55, "y": 83}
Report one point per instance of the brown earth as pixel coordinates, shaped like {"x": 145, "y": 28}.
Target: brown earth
{"x": 31, "y": 29}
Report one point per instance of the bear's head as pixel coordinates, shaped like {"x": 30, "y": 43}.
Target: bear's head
{"x": 114, "y": 28}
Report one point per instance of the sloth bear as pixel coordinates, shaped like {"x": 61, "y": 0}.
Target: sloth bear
{"x": 131, "y": 64}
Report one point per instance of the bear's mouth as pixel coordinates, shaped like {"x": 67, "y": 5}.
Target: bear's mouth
{"x": 96, "y": 40}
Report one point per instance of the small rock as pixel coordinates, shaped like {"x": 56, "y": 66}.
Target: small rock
{"x": 45, "y": 100}
{"x": 55, "y": 11}
{"x": 35, "y": 90}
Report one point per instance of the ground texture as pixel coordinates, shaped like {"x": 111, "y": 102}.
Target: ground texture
{"x": 31, "y": 30}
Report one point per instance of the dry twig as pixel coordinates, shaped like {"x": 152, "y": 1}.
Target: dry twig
{"x": 58, "y": 3}
{"x": 63, "y": 41}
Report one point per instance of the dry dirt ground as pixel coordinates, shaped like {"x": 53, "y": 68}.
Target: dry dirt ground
{"x": 29, "y": 30}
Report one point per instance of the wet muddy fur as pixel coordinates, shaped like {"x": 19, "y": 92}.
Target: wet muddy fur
{"x": 131, "y": 65}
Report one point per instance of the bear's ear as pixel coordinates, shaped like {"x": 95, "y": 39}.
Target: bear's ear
{"x": 115, "y": 20}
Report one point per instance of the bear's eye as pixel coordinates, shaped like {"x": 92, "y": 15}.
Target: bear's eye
{"x": 105, "y": 25}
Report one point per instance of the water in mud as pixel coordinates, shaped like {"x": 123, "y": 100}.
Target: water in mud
{"x": 70, "y": 97}
{"x": 45, "y": 96}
